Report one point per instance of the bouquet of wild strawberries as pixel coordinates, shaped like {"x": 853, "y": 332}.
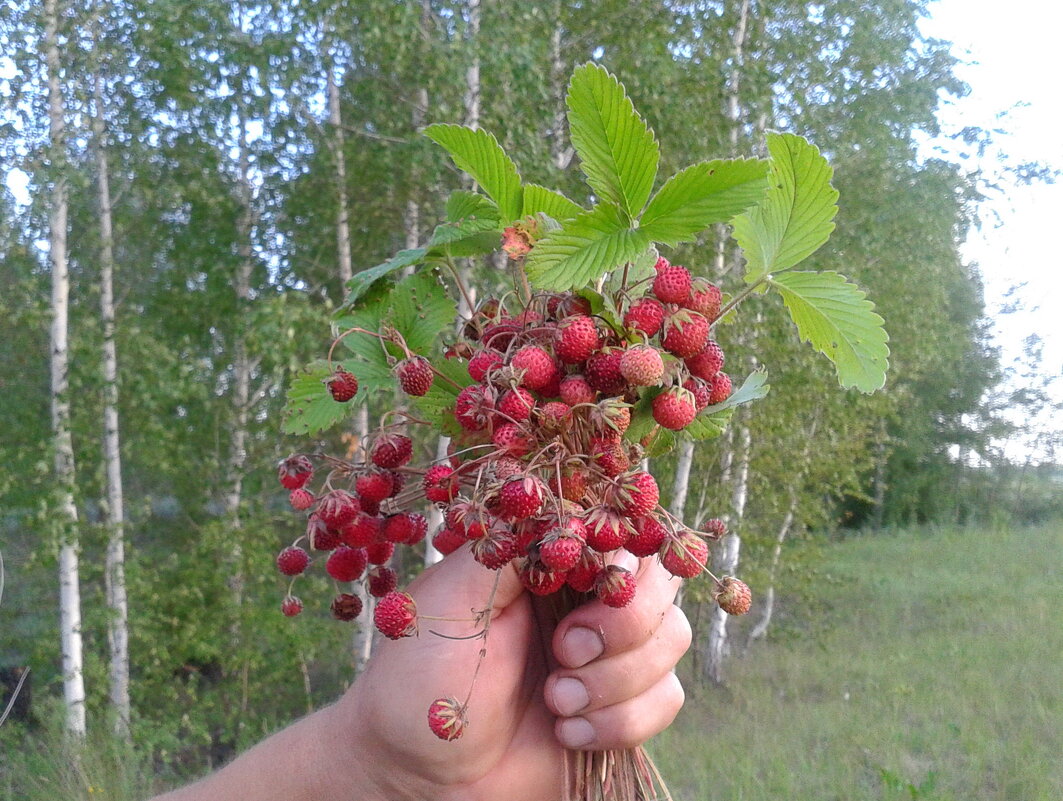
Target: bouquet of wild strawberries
{"x": 555, "y": 394}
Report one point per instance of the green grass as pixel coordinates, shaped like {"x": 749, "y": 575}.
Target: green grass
{"x": 937, "y": 673}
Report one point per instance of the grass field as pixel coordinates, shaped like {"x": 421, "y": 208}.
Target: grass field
{"x": 937, "y": 674}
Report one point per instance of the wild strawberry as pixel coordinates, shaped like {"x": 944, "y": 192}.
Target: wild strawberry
{"x": 483, "y": 362}
{"x": 708, "y": 363}
{"x": 732, "y": 595}
{"x": 342, "y": 385}
{"x": 500, "y": 334}
{"x": 396, "y": 615}
{"x": 320, "y": 535}
{"x": 301, "y": 499}
{"x": 568, "y": 305}
{"x": 382, "y": 580}
{"x": 577, "y": 338}
{"x": 672, "y": 284}
{"x": 700, "y": 390}
{"x": 537, "y": 364}
{"x": 573, "y": 484}
{"x": 721, "y": 388}
{"x": 497, "y": 548}
{"x": 615, "y": 586}
{"x": 521, "y": 497}
{"x": 379, "y": 553}
{"x": 645, "y": 315}
{"x": 447, "y": 718}
{"x": 473, "y": 407}
{"x": 714, "y": 528}
{"x": 603, "y": 371}
{"x": 648, "y": 538}
{"x": 295, "y": 471}
{"x": 705, "y": 298}
{"x": 292, "y": 561}
{"x": 374, "y": 485}
{"x": 685, "y": 333}
{"x": 516, "y": 404}
{"x": 581, "y": 577}
{"x": 338, "y": 508}
{"x": 607, "y": 529}
{"x": 634, "y": 494}
{"x": 391, "y": 450}
{"x": 415, "y": 375}
{"x": 560, "y": 550}
{"x": 553, "y": 416}
{"x": 610, "y": 417}
{"x": 641, "y": 365}
{"x": 504, "y": 467}
{"x": 512, "y": 440}
{"x": 364, "y": 530}
{"x": 661, "y": 263}
{"x": 685, "y": 554}
{"x": 346, "y": 606}
{"x": 346, "y": 564}
{"x": 538, "y": 579}
{"x": 291, "y": 606}
{"x": 440, "y": 484}
{"x": 404, "y": 528}
{"x": 674, "y": 408}
{"x": 608, "y": 454}
{"x": 575, "y": 390}
{"x": 447, "y": 540}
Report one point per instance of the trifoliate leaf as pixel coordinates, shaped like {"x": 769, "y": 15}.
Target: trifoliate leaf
{"x": 478, "y": 153}
{"x": 618, "y": 152}
{"x": 796, "y": 217}
{"x": 553, "y": 204}
{"x": 702, "y": 195}
{"x": 310, "y": 408}
{"x": 584, "y": 249}
{"x": 835, "y": 317}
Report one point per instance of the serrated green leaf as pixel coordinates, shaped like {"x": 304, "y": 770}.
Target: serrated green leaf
{"x": 712, "y": 420}
{"x": 472, "y": 245}
{"x": 642, "y": 422}
{"x": 539, "y": 199}
{"x": 360, "y": 282}
{"x": 835, "y": 317}
{"x": 472, "y": 223}
{"x": 661, "y": 444}
{"x": 421, "y": 310}
{"x": 702, "y": 195}
{"x": 618, "y": 152}
{"x": 584, "y": 249}
{"x": 709, "y": 425}
{"x": 310, "y": 408}
{"x": 797, "y": 215}
{"x": 477, "y": 152}
{"x": 640, "y": 269}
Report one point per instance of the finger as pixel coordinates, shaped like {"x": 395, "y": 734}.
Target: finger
{"x": 594, "y": 630}
{"x": 458, "y": 586}
{"x": 626, "y": 724}
{"x": 608, "y": 681}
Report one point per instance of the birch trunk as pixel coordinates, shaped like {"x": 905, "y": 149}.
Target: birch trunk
{"x": 362, "y": 644}
{"x": 560, "y": 152}
{"x": 69, "y": 580}
{"x": 768, "y": 606}
{"x": 343, "y": 226}
{"x": 114, "y": 573}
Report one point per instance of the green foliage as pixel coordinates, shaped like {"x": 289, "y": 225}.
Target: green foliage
{"x": 311, "y": 408}
{"x": 364, "y": 279}
{"x": 539, "y": 200}
{"x": 712, "y": 420}
{"x": 478, "y": 153}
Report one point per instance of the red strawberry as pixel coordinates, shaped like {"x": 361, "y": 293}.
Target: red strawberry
{"x": 648, "y": 538}
{"x": 575, "y": 390}
{"x": 554, "y": 415}
{"x": 685, "y": 333}
{"x": 473, "y": 407}
{"x": 581, "y": 577}
{"x": 603, "y": 371}
{"x": 615, "y": 586}
{"x": 295, "y": 471}
{"x": 346, "y": 564}
{"x": 672, "y": 284}
{"x": 674, "y": 408}
{"x": 641, "y": 365}
{"x": 560, "y": 550}
{"x": 732, "y": 595}
{"x": 517, "y": 404}
{"x": 706, "y": 364}
{"x": 721, "y": 388}
{"x": 362, "y": 531}
{"x": 635, "y": 494}
{"x": 608, "y": 454}
{"x": 573, "y": 485}
{"x": 705, "y": 298}
{"x": 321, "y": 537}
{"x": 392, "y": 450}
{"x": 382, "y": 580}
{"x": 338, "y": 508}
{"x": 447, "y": 719}
{"x": 497, "y": 548}
{"x": 661, "y": 263}
{"x": 538, "y": 366}
{"x": 292, "y": 561}
{"x": 378, "y": 553}
{"x": 415, "y": 375}
{"x": 374, "y": 485}
{"x": 645, "y": 315}
{"x": 714, "y": 528}
{"x": 538, "y": 579}
{"x": 700, "y": 390}
{"x": 577, "y": 338}
{"x": 484, "y": 361}
{"x": 440, "y": 484}
{"x": 346, "y": 606}
{"x": 521, "y": 497}
{"x": 301, "y": 499}
{"x": 512, "y": 440}
{"x": 685, "y": 554}
{"x": 405, "y": 528}
{"x": 396, "y": 615}
{"x": 291, "y": 606}
{"x": 342, "y": 385}
{"x": 607, "y": 529}
{"x": 447, "y": 540}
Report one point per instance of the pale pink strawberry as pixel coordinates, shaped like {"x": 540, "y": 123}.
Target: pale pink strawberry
{"x": 301, "y": 499}
{"x": 575, "y": 390}
{"x": 705, "y": 298}
{"x": 732, "y": 595}
{"x": 554, "y": 416}
{"x": 642, "y": 366}
{"x": 513, "y": 440}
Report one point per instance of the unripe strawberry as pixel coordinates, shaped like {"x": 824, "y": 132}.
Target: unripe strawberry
{"x": 708, "y": 363}
{"x": 292, "y": 561}
{"x": 382, "y": 580}
{"x": 685, "y": 333}
{"x": 732, "y": 595}
{"x": 295, "y": 471}
{"x": 577, "y": 338}
{"x": 672, "y": 284}
{"x": 396, "y": 615}
{"x": 685, "y": 554}
{"x": 447, "y": 718}
{"x": 705, "y": 298}
{"x": 575, "y": 390}
{"x": 615, "y": 586}
{"x": 440, "y": 484}
{"x": 538, "y": 366}
{"x": 484, "y": 361}
{"x": 392, "y": 450}
{"x": 301, "y": 499}
{"x": 641, "y": 365}
{"x": 346, "y": 563}
{"x": 553, "y": 416}
{"x": 674, "y": 408}
{"x": 342, "y": 385}
{"x": 645, "y": 315}
{"x": 346, "y": 606}
{"x": 721, "y": 388}
{"x": 291, "y": 606}
{"x": 415, "y": 375}
{"x": 516, "y": 404}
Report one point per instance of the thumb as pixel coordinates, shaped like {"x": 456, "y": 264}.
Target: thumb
{"x": 459, "y": 587}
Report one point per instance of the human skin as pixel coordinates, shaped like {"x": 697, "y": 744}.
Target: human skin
{"x": 605, "y": 682}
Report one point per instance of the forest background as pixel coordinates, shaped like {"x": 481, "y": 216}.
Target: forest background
{"x": 205, "y": 178}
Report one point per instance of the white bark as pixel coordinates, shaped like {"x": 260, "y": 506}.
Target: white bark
{"x": 69, "y": 581}
{"x": 114, "y": 573}
{"x": 768, "y": 605}
{"x": 681, "y": 484}
{"x": 343, "y": 227}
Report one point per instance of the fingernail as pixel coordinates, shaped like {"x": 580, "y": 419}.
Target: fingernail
{"x": 580, "y": 645}
{"x": 576, "y": 733}
{"x": 626, "y": 560}
{"x": 570, "y": 696}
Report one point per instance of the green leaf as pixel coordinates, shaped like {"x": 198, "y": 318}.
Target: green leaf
{"x": 702, "y": 195}
{"x": 641, "y": 268}
{"x": 310, "y": 408}
{"x": 478, "y": 153}
{"x": 584, "y": 249}
{"x": 712, "y": 420}
{"x": 797, "y": 215}
{"x": 421, "y": 311}
{"x": 472, "y": 227}
{"x": 361, "y": 281}
{"x": 836, "y": 318}
{"x": 661, "y": 444}
{"x": 553, "y": 204}
{"x": 371, "y": 365}
{"x": 618, "y": 152}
